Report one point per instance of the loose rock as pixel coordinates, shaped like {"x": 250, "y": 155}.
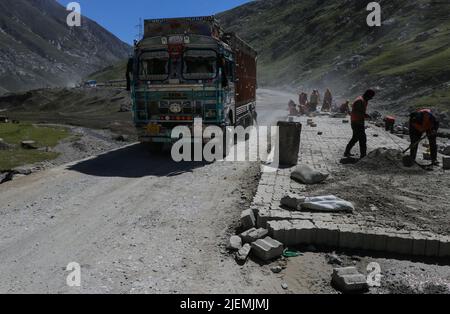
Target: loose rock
{"x": 276, "y": 269}
{"x": 29, "y": 145}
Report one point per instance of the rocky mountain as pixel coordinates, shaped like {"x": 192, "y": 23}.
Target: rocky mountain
{"x": 38, "y": 48}
{"x": 327, "y": 43}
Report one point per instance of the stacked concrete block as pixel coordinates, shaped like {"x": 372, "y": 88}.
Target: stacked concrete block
{"x": 267, "y": 249}
{"x": 248, "y": 219}
{"x": 253, "y": 234}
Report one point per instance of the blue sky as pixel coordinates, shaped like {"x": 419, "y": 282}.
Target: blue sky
{"x": 121, "y": 16}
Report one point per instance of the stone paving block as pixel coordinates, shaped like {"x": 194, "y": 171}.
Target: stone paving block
{"x": 444, "y": 247}
{"x": 350, "y": 237}
{"x": 327, "y": 234}
{"x": 348, "y": 279}
{"x": 262, "y": 218}
{"x": 399, "y": 243}
{"x": 248, "y": 219}
{"x": 253, "y": 234}
{"x": 276, "y": 230}
{"x": 375, "y": 240}
{"x": 267, "y": 249}
{"x": 290, "y": 234}
{"x": 419, "y": 244}
{"x": 305, "y": 232}
{"x": 432, "y": 245}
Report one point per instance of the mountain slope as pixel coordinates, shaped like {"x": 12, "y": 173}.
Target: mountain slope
{"x": 38, "y": 49}
{"x": 327, "y": 43}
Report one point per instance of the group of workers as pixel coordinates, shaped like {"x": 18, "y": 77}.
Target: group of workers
{"x": 309, "y": 106}
{"x": 421, "y": 122}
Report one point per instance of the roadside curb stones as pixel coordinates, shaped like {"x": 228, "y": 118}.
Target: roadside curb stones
{"x": 349, "y": 280}
{"x": 253, "y": 235}
{"x": 267, "y": 249}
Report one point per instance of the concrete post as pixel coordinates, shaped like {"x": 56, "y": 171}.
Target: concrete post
{"x": 289, "y": 142}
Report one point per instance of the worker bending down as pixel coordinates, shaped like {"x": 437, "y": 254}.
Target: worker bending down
{"x": 420, "y": 122}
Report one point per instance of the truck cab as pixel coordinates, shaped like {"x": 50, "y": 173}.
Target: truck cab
{"x": 188, "y": 68}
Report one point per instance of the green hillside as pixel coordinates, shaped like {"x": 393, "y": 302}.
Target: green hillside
{"x": 324, "y": 43}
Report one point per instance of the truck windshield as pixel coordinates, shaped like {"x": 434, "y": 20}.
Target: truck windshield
{"x": 154, "y": 66}
{"x": 199, "y": 64}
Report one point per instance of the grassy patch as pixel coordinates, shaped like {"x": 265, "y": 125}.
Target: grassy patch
{"x": 14, "y": 134}
{"x": 439, "y": 99}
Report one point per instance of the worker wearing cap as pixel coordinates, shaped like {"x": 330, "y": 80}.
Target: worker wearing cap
{"x": 420, "y": 122}
{"x": 358, "y": 117}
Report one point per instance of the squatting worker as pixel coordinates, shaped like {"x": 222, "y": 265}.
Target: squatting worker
{"x": 358, "y": 117}
{"x": 420, "y": 122}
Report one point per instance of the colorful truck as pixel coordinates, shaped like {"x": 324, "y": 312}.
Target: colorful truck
{"x": 189, "y": 68}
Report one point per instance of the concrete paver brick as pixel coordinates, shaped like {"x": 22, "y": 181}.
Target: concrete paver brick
{"x": 267, "y": 249}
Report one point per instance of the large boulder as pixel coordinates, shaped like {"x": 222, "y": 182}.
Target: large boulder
{"x": 306, "y": 175}
{"x": 29, "y": 145}
{"x": 328, "y": 203}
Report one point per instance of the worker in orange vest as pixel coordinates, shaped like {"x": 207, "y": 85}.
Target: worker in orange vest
{"x": 358, "y": 117}
{"x": 420, "y": 122}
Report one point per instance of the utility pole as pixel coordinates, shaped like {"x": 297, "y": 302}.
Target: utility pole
{"x": 139, "y": 28}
